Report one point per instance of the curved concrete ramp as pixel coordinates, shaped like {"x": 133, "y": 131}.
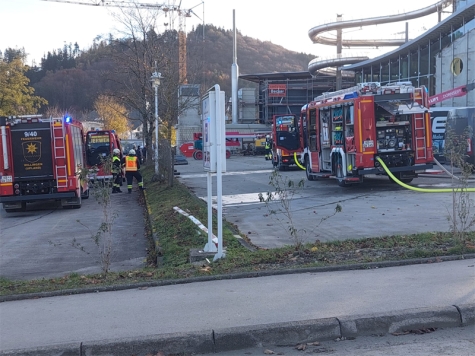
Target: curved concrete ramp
{"x": 315, "y": 65}
{"x": 314, "y": 34}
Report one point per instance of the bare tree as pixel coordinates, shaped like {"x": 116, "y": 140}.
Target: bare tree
{"x": 137, "y": 55}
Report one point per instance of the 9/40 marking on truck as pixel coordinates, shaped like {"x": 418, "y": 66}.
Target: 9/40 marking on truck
{"x": 31, "y": 133}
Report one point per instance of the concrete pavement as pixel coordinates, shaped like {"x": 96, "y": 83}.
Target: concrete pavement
{"x": 220, "y": 315}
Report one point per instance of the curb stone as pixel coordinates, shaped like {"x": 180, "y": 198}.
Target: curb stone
{"x": 268, "y": 335}
{"x": 412, "y": 319}
{"x": 289, "y": 333}
{"x": 467, "y": 314}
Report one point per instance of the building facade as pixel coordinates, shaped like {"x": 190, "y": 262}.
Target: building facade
{"x": 443, "y": 58}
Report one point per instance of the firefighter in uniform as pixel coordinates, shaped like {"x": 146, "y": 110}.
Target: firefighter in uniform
{"x": 132, "y": 166}
{"x": 268, "y": 147}
{"x": 116, "y": 171}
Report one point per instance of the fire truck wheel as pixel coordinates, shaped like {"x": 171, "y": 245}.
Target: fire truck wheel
{"x": 308, "y": 169}
{"x": 17, "y": 210}
{"x": 84, "y": 195}
{"x": 398, "y": 176}
{"x": 340, "y": 177}
{"x": 342, "y": 183}
{"x": 67, "y": 205}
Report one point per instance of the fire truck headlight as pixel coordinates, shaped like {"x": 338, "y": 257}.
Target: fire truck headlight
{"x": 17, "y": 191}
{"x": 16, "y": 186}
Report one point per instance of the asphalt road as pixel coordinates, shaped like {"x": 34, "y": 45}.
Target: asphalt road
{"x": 441, "y": 342}
{"x": 38, "y": 243}
{"x": 375, "y": 208}
{"x": 147, "y": 313}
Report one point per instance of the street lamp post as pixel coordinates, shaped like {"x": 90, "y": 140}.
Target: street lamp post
{"x": 155, "y": 79}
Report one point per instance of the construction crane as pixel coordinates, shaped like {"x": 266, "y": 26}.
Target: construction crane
{"x": 165, "y": 8}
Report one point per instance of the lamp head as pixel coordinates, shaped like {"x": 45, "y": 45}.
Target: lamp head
{"x": 155, "y": 78}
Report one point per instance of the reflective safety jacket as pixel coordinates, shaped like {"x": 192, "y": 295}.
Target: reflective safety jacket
{"x": 131, "y": 164}
{"x": 116, "y": 166}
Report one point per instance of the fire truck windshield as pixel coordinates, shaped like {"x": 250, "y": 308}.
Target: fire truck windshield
{"x": 286, "y": 132}
{"x": 97, "y": 147}
{"x": 285, "y": 123}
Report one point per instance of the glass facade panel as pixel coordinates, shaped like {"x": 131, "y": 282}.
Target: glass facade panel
{"x": 394, "y": 70}
{"x": 413, "y": 65}
{"x": 424, "y": 60}
{"x": 404, "y": 67}
{"x": 424, "y": 81}
{"x": 384, "y": 72}
{"x": 434, "y": 50}
{"x": 367, "y": 77}
{"x": 445, "y": 40}
{"x": 469, "y": 26}
{"x": 359, "y": 77}
{"x": 431, "y": 85}
{"x": 375, "y": 74}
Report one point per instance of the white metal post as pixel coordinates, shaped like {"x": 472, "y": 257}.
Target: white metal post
{"x": 156, "y": 128}
{"x": 155, "y": 79}
{"x": 221, "y": 164}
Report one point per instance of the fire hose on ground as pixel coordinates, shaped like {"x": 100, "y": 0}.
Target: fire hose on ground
{"x": 407, "y": 186}
{"x": 422, "y": 190}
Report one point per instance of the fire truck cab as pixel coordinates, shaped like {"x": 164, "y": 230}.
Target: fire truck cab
{"x": 345, "y": 132}
{"x": 99, "y": 145}
{"x": 286, "y": 140}
{"x": 41, "y": 159}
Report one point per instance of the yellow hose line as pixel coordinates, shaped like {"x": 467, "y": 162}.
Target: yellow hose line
{"x": 297, "y": 162}
{"x": 422, "y": 190}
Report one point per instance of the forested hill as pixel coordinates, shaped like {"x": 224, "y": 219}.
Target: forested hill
{"x": 70, "y": 79}
{"x": 253, "y": 56}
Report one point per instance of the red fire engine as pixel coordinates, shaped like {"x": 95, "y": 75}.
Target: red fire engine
{"x": 286, "y": 141}
{"x": 345, "y": 132}
{"x": 40, "y": 160}
{"x": 99, "y": 145}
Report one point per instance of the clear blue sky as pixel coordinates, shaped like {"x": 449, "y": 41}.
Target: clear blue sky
{"x": 41, "y": 26}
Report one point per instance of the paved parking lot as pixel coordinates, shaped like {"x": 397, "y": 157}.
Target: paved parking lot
{"x": 38, "y": 243}
{"x": 375, "y": 208}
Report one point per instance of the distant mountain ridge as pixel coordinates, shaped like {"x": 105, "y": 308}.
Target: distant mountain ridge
{"x": 71, "y": 80}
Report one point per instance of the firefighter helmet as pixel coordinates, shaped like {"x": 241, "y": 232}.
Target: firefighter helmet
{"x": 116, "y": 151}
{"x": 132, "y": 152}
{"x": 268, "y": 136}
